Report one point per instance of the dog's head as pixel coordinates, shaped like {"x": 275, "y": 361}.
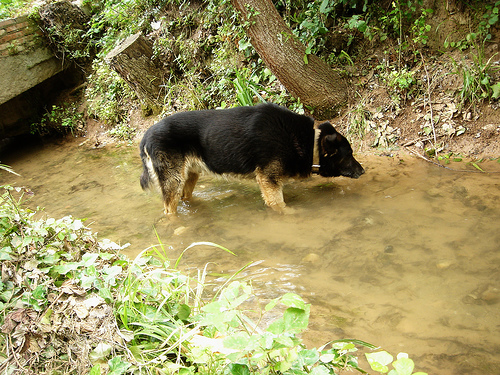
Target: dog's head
{"x": 335, "y": 154}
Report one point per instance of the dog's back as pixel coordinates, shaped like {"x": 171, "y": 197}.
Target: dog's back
{"x": 235, "y": 140}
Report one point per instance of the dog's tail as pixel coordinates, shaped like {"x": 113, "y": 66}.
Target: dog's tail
{"x": 149, "y": 178}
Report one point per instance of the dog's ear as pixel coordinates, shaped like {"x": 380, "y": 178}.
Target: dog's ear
{"x": 330, "y": 144}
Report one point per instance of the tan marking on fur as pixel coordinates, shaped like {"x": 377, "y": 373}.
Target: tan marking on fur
{"x": 271, "y": 188}
{"x": 187, "y": 192}
{"x": 180, "y": 181}
{"x": 151, "y": 171}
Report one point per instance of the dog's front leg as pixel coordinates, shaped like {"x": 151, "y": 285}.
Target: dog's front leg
{"x": 271, "y": 188}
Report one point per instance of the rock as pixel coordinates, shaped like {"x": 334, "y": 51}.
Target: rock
{"x": 443, "y": 264}
{"x": 434, "y": 192}
{"x": 485, "y": 294}
{"x": 389, "y": 249}
{"x": 180, "y": 230}
{"x": 311, "y": 258}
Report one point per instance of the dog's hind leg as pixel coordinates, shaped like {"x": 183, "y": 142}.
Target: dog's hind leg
{"x": 171, "y": 191}
{"x": 271, "y": 186}
{"x": 171, "y": 181}
{"x": 187, "y": 192}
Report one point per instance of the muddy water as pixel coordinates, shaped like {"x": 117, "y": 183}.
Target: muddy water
{"x": 407, "y": 257}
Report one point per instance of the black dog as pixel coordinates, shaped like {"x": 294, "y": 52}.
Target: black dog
{"x": 267, "y": 141}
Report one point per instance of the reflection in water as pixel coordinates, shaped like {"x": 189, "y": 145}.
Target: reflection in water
{"x": 406, "y": 257}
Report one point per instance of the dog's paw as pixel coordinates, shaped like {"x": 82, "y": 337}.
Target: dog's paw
{"x": 289, "y": 211}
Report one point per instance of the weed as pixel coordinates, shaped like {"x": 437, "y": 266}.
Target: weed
{"x": 60, "y": 119}
{"x": 359, "y": 121}
{"x": 489, "y": 19}
{"x": 246, "y": 89}
{"x": 401, "y": 82}
{"x": 477, "y": 79}
{"x": 420, "y": 28}
{"x": 123, "y": 132}
{"x": 14, "y": 8}
{"x": 312, "y": 25}
{"x": 6, "y": 168}
{"x": 107, "y": 94}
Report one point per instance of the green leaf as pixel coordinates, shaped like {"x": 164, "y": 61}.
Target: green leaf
{"x": 63, "y": 269}
{"x": 477, "y": 167}
{"x": 277, "y": 327}
{"x": 286, "y": 341}
{"x": 306, "y": 60}
{"x": 89, "y": 259}
{"x": 39, "y": 292}
{"x": 309, "y": 357}
{"x": 271, "y": 304}
{"x": 293, "y": 300}
{"x": 106, "y": 294}
{"x": 238, "y": 369}
{"x": 46, "y": 317}
{"x": 110, "y": 274}
{"x": 5, "y": 253}
{"x": 378, "y": 361}
{"x": 324, "y": 8}
{"x": 184, "y": 312}
{"x": 296, "y": 320}
{"x": 101, "y": 351}
{"x": 241, "y": 341}
{"x": 106, "y": 256}
{"x": 404, "y": 366}
{"x": 96, "y": 370}
{"x": 355, "y": 342}
{"x": 496, "y": 90}
{"x": 320, "y": 370}
{"x": 117, "y": 366}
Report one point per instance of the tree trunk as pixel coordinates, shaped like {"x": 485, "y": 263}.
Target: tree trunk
{"x": 310, "y": 79}
{"x": 65, "y": 26}
{"x": 133, "y": 61}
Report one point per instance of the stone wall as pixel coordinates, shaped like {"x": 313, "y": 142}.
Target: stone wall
{"x": 17, "y": 35}
{"x": 30, "y": 74}
{"x": 24, "y": 60}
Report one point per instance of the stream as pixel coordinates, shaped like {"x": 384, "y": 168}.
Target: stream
{"x": 407, "y": 257}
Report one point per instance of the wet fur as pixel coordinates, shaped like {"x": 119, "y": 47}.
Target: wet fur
{"x": 267, "y": 140}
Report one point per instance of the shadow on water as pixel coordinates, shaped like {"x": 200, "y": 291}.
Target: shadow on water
{"x": 406, "y": 257}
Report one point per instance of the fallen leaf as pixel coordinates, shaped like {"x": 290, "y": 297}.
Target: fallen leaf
{"x": 94, "y": 301}
{"x": 81, "y": 310}
{"x": 69, "y": 287}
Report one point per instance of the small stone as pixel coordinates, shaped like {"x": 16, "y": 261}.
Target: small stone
{"x": 179, "y": 231}
{"x": 311, "y": 258}
{"x": 443, "y": 265}
{"x": 434, "y": 192}
{"x": 389, "y": 249}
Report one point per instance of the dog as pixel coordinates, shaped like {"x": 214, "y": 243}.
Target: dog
{"x": 267, "y": 141}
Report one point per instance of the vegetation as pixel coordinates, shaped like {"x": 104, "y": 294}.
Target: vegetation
{"x": 60, "y": 119}
{"x": 73, "y": 304}
{"x": 14, "y": 8}
{"x": 212, "y": 64}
